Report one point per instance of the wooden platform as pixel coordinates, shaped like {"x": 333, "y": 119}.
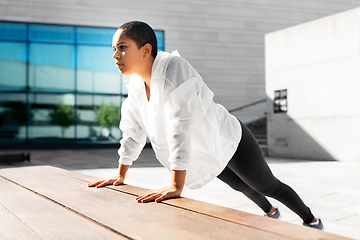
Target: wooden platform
{"x": 44, "y": 202}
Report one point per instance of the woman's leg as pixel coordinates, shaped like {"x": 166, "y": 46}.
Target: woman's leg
{"x": 249, "y": 164}
{"x": 233, "y": 180}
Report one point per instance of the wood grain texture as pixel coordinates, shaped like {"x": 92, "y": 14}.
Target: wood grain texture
{"x": 11, "y": 227}
{"x": 116, "y": 208}
{"x": 246, "y": 219}
{"x": 31, "y": 216}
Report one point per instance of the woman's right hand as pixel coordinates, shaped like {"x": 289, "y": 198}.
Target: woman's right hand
{"x": 112, "y": 181}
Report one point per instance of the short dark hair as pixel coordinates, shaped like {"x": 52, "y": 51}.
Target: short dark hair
{"x": 141, "y": 33}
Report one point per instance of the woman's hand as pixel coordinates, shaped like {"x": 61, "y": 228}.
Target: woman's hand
{"x": 172, "y": 191}
{"x": 117, "y": 180}
{"x": 112, "y": 181}
{"x": 160, "y": 194}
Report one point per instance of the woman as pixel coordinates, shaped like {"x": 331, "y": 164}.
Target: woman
{"x": 195, "y": 138}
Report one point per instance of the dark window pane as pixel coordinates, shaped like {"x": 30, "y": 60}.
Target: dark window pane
{"x": 280, "y": 101}
{"x": 160, "y": 40}
{"x": 13, "y": 31}
{"x": 51, "y": 67}
{"x": 95, "y": 36}
{"x": 51, "y": 33}
{"x": 12, "y": 66}
{"x": 276, "y": 94}
{"x": 52, "y": 119}
{"x": 97, "y": 72}
{"x": 13, "y": 112}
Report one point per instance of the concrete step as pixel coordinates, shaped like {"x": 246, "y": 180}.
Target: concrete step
{"x": 262, "y": 140}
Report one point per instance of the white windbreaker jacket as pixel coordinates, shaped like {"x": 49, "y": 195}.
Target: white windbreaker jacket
{"x": 187, "y": 130}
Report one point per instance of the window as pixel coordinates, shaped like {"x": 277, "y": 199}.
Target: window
{"x": 13, "y": 56}
{"x": 160, "y": 40}
{"x": 51, "y": 67}
{"x": 53, "y": 118}
{"x": 12, "y": 66}
{"x": 91, "y": 109}
{"x": 280, "y": 101}
{"x": 56, "y": 80}
{"x": 13, "y": 118}
{"x": 97, "y": 75}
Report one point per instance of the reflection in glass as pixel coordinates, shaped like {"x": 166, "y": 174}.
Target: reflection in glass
{"x": 12, "y": 66}
{"x": 53, "y": 118}
{"x": 51, "y": 33}
{"x": 96, "y": 70}
{"x": 51, "y": 67}
{"x": 94, "y": 35}
{"x": 43, "y": 67}
{"x": 13, "y": 117}
{"x": 13, "y": 31}
{"x": 100, "y": 117}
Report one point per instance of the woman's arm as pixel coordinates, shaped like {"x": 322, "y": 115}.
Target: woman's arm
{"x": 172, "y": 191}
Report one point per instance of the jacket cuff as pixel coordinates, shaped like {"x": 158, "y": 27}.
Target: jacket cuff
{"x": 179, "y": 166}
{"x": 125, "y": 161}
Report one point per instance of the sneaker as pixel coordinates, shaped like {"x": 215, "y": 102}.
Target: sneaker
{"x": 275, "y": 214}
{"x": 318, "y": 224}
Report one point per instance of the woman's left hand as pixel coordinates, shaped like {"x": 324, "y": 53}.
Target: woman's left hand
{"x": 158, "y": 195}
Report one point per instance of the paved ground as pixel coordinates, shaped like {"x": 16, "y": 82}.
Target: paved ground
{"x": 330, "y": 189}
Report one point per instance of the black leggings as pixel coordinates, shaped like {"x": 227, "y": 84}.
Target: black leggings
{"x": 248, "y": 172}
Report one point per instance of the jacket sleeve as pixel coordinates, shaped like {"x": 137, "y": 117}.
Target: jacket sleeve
{"x": 134, "y": 137}
{"x": 180, "y": 112}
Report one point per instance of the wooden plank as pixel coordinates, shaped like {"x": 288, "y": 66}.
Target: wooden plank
{"x": 13, "y": 228}
{"x": 285, "y": 229}
{"x": 39, "y": 218}
{"x": 176, "y": 229}
{"x": 120, "y": 212}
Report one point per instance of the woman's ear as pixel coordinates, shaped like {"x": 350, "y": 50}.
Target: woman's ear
{"x": 147, "y": 50}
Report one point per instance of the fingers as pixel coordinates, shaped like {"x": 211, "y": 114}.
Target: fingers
{"x": 118, "y": 182}
{"x": 167, "y": 195}
{"x": 95, "y": 183}
{"x": 160, "y": 194}
{"x": 105, "y": 183}
{"x": 154, "y": 195}
{"x": 148, "y": 197}
{"x": 162, "y": 197}
{"x": 101, "y": 183}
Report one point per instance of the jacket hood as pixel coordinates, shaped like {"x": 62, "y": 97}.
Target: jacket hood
{"x": 161, "y": 62}
{"x": 159, "y": 67}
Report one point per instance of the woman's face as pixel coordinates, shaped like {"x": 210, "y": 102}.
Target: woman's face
{"x": 126, "y": 53}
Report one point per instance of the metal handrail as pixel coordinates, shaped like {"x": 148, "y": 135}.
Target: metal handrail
{"x": 247, "y": 105}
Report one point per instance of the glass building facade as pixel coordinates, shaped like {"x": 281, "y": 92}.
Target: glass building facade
{"x": 59, "y": 84}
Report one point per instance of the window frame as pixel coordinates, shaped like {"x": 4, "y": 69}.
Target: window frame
{"x": 280, "y": 101}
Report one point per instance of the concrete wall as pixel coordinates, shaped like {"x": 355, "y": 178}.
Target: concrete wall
{"x": 319, "y": 64}
{"x": 224, "y": 40}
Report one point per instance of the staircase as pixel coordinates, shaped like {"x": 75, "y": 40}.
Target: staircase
{"x": 262, "y": 140}
{"x": 258, "y": 128}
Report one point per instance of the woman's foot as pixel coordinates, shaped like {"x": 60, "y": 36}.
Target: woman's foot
{"x": 274, "y": 213}
{"x": 316, "y": 223}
